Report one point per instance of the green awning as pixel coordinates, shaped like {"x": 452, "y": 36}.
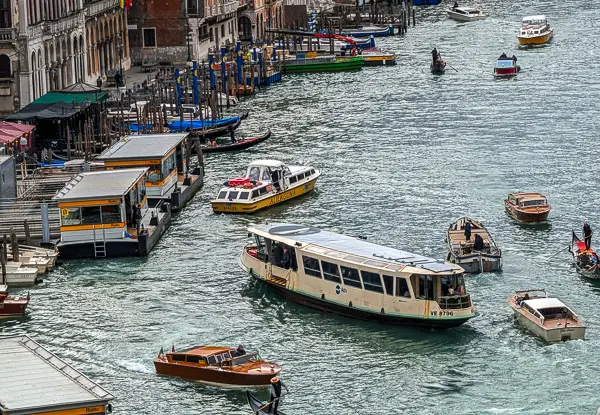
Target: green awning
{"x": 53, "y": 97}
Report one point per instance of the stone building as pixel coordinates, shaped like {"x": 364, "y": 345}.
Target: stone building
{"x": 295, "y": 14}
{"x": 178, "y": 31}
{"x": 259, "y": 16}
{"x": 46, "y": 45}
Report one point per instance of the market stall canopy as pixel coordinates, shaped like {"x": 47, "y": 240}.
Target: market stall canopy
{"x": 10, "y": 132}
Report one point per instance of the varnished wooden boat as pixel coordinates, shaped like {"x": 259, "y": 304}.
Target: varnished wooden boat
{"x": 217, "y": 366}
{"x": 259, "y": 407}
{"x": 240, "y": 144}
{"x": 546, "y": 317}
{"x": 586, "y": 261}
{"x": 527, "y": 206}
{"x": 462, "y": 251}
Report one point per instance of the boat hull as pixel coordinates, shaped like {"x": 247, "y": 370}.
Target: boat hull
{"x": 554, "y": 335}
{"x": 240, "y": 145}
{"x": 275, "y": 199}
{"x": 437, "y": 69}
{"x": 214, "y": 376}
{"x": 340, "y": 65}
{"x": 476, "y": 264}
{"x": 535, "y": 40}
{"x": 379, "y": 60}
{"x": 21, "y": 279}
{"x": 524, "y": 216}
{"x": 464, "y": 18}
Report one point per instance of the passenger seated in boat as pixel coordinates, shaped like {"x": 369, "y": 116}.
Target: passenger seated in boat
{"x": 478, "y": 245}
{"x": 285, "y": 260}
{"x": 240, "y": 350}
{"x": 450, "y": 290}
{"x": 522, "y": 300}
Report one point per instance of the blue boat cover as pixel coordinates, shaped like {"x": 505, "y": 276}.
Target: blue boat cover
{"x": 179, "y": 125}
{"x": 504, "y": 64}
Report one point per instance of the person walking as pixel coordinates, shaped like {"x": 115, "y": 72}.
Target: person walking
{"x": 587, "y": 234}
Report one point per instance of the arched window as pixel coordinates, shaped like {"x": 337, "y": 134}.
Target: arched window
{"x": 5, "y": 71}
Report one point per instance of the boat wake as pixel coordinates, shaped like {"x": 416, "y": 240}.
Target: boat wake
{"x": 135, "y": 367}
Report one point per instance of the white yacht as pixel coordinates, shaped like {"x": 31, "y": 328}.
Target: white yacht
{"x": 465, "y": 14}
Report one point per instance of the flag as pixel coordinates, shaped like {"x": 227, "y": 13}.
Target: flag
{"x": 123, "y": 3}
{"x": 128, "y": 3}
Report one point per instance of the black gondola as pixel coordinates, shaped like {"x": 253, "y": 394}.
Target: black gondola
{"x": 259, "y": 407}
{"x": 241, "y": 144}
{"x": 220, "y": 130}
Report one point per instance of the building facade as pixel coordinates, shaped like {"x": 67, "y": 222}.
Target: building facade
{"x": 259, "y": 16}
{"x": 178, "y": 31}
{"x": 47, "y": 45}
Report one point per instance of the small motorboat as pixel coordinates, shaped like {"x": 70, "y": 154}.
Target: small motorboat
{"x": 376, "y": 57}
{"x": 217, "y": 366}
{"x": 506, "y": 68}
{"x": 260, "y": 407}
{"x": 20, "y": 275}
{"x": 266, "y": 183}
{"x": 12, "y": 306}
{"x": 464, "y": 250}
{"x": 546, "y": 317}
{"x": 240, "y": 143}
{"x": 368, "y": 31}
{"x": 465, "y": 14}
{"x": 527, "y": 206}
{"x": 535, "y": 30}
{"x": 586, "y": 260}
{"x": 438, "y": 68}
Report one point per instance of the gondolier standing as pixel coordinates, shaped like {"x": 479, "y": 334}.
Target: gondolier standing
{"x": 468, "y": 230}
{"x": 587, "y": 235}
{"x": 276, "y": 385}
{"x": 434, "y": 55}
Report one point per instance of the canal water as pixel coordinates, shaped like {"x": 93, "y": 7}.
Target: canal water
{"x": 403, "y": 154}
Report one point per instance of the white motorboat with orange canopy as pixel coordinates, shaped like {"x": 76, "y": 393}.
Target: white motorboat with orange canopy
{"x": 535, "y": 30}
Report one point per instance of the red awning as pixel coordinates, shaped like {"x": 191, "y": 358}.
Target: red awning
{"x": 11, "y": 132}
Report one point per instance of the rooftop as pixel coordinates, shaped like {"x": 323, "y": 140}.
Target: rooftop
{"x": 33, "y": 380}
{"x": 145, "y": 146}
{"x": 541, "y": 303}
{"x": 100, "y": 184}
{"x": 354, "y": 246}
{"x": 267, "y": 163}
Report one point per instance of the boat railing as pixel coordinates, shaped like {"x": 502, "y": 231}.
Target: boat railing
{"x": 454, "y": 302}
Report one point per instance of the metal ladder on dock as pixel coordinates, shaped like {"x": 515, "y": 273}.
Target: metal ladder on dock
{"x": 99, "y": 245}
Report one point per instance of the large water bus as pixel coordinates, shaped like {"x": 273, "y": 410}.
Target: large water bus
{"x": 355, "y": 278}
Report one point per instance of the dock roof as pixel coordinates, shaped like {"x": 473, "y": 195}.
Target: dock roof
{"x": 141, "y": 147}
{"x": 100, "y": 184}
{"x": 34, "y": 380}
{"x": 369, "y": 251}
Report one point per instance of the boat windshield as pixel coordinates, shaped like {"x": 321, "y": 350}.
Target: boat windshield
{"x": 536, "y": 202}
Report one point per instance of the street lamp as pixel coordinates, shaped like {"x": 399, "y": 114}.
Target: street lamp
{"x": 120, "y": 49}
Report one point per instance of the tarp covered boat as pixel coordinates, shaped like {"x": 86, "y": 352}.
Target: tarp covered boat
{"x": 240, "y": 144}
{"x": 586, "y": 260}
{"x": 259, "y": 407}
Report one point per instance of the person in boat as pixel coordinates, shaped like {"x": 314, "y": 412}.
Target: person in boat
{"x": 276, "y": 385}
{"x": 231, "y": 133}
{"x": 435, "y": 55}
{"x": 285, "y": 260}
{"x": 137, "y": 214}
{"x": 468, "y": 231}
{"x": 514, "y": 59}
{"x": 455, "y": 5}
{"x": 450, "y": 290}
{"x": 240, "y": 350}
{"x": 503, "y": 56}
{"x": 354, "y": 51}
{"x": 275, "y": 179}
{"x": 478, "y": 245}
{"x": 587, "y": 234}
{"x": 525, "y": 298}
{"x": 213, "y": 143}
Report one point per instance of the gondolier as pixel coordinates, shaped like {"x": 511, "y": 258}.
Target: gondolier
{"x": 276, "y": 385}
{"x": 587, "y": 235}
{"x": 434, "y": 55}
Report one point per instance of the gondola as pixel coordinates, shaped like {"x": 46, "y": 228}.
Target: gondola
{"x": 259, "y": 407}
{"x": 241, "y": 144}
{"x": 216, "y": 131}
{"x": 586, "y": 261}
{"x": 439, "y": 68}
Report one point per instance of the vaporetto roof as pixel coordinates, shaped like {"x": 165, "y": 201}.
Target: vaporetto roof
{"x": 35, "y": 380}
{"x": 144, "y": 146}
{"x": 100, "y": 184}
{"x": 315, "y": 236}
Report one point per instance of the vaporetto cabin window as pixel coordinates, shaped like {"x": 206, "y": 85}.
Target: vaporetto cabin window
{"x": 168, "y": 165}
{"x": 351, "y": 277}
{"x": 388, "y": 281}
{"x": 72, "y": 217}
{"x": 311, "y": 266}
{"x": 372, "y": 281}
{"x": 402, "y": 287}
{"x": 111, "y": 214}
{"x": 90, "y": 215}
{"x": 331, "y": 272}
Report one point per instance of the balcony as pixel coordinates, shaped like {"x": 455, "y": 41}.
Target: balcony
{"x": 222, "y": 9}
{"x": 101, "y": 6}
{"x": 8, "y": 35}
{"x": 55, "y": 27}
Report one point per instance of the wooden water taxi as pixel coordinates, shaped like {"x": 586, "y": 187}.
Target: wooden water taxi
{"x": 586, "y": 261}
{"x": 527, "y": 206}
{"x": 546, "y": 317}
{"x": 217, "y": 366}
{"x": 356, "y": 278}
{"x": 171, "y": 177}
{"x": 506, "y": 68}
{"x": 472, "y": 247}
{"x": 12, "y": 306}
{"x": 465, "y": 14}
{"x": 106, "y": 214}
{"x": 535, "y": 30}
{"x": 266, "y": 183}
